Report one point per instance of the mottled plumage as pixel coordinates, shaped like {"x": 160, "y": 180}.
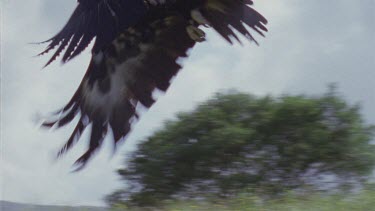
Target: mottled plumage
{"x": 137, "y": 44}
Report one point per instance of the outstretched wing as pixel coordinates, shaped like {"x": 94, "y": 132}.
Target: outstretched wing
{"x": 100, "y": 19}
{"x": 141, "y": 60}
{"x": 120, "y": 77}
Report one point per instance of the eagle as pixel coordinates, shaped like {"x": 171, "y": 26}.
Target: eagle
{"x": 136, "y": 48}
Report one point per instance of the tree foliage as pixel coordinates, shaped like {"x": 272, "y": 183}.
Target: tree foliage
{"x": 236, "y": 141}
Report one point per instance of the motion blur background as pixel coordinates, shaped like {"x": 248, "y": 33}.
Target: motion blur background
{"x": 309, "y": 45}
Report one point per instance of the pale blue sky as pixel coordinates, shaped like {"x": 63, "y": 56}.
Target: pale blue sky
{"x": 310, "y": 44}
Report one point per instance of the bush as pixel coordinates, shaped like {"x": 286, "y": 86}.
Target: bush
{"x": 268, "y": 145}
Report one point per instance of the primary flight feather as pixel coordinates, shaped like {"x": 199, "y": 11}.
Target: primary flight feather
{"x": 136, "y": 45}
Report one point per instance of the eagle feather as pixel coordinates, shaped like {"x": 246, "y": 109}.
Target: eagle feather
{"x": 135, "y": 53}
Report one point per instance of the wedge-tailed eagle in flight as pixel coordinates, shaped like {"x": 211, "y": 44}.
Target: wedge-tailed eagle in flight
{"x": 136, "y": 45}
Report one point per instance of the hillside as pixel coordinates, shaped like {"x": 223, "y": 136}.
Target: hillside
{"x": 11, "y": 206}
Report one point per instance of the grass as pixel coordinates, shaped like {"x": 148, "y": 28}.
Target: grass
{"x": 314, "y": 202}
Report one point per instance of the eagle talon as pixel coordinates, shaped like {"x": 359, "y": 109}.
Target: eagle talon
{"x": 196, "y": 33}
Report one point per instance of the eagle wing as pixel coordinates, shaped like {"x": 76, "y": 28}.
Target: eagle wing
{"x": 100, "y": 19}
{"x": 142, "y": 59}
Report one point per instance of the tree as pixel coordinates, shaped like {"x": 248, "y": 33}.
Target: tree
{"x": 236, "y": 141}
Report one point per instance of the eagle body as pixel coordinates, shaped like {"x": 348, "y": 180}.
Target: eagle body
{"x": 136, "y": 47}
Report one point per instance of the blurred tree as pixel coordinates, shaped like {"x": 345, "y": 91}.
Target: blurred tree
{"x": 236, "y": 140}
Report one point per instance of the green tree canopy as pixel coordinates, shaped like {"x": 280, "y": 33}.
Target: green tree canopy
{"x": 237, "y": 140}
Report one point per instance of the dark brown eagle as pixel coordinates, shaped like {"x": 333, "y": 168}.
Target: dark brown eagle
{"x": 136, "y": 45}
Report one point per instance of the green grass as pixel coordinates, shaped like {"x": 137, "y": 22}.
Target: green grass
{"x": 314, "y": 202}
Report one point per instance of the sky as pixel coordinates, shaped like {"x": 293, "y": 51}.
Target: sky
{"x": 309, "y": 45}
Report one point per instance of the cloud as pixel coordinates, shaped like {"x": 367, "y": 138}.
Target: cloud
{"x": 310, "y": 44}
